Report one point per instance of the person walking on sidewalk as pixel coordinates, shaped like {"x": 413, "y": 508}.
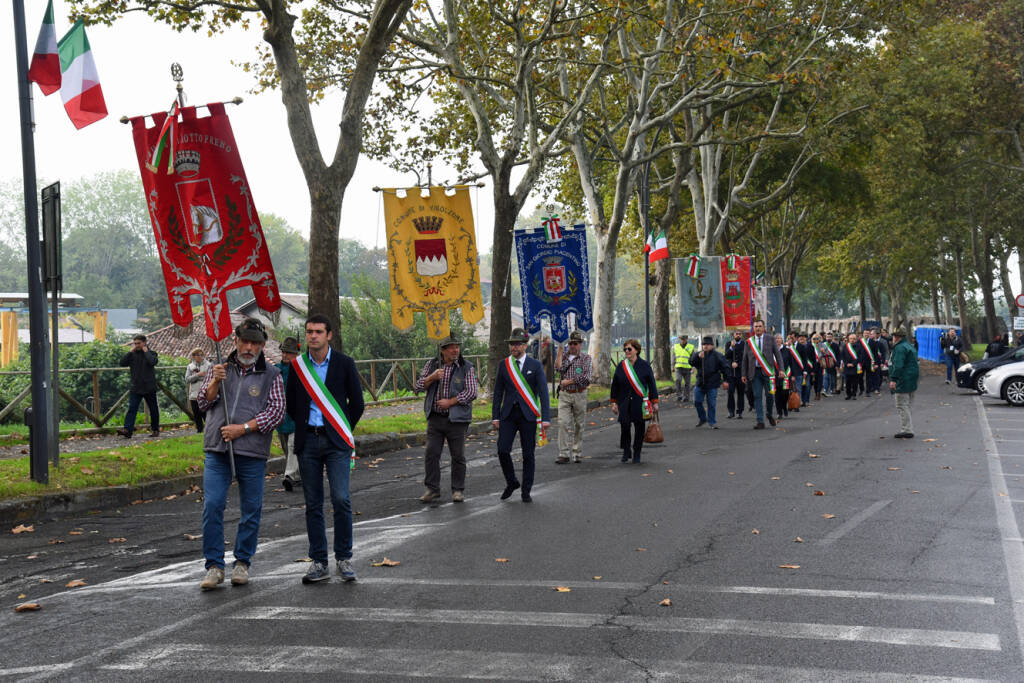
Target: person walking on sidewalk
{"x": 286, "y": 430}
{"x": 195, "y": 373}
{"x": 682, "y": 350}
{"x": 576, "y": 371}
{"x": 520, "y": 399}
{"x": 952, "y": 347}
{"x": 141, "y": 362}
{"x": 450, "y": 384}
{"x": 761, "y": 357}
{"x": 325, "y": 398}
{"x": 634, "y": 396}
{"x": 903, "y": 373}
{"x": 712, "y": 372}
{"x": 241, "y": 433}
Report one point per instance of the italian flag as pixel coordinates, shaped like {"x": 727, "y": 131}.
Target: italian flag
{"x": 45, "y": 68}
{"x": 80, "y": 83}
{"x": 657, "y": 246}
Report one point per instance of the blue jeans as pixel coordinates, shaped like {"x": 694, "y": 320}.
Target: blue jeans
{"x": 318, "y": 455}
{"x": 762, "y": 395}
{"x": 699, "y": 395}
{"x": 805, "y": 389}
{"x": 216, "y": 482}
{"x": 952, "y": 363}
{"x": 134, "y": 400}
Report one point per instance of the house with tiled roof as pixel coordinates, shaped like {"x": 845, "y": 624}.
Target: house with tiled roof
{"x": 178, "y": 341}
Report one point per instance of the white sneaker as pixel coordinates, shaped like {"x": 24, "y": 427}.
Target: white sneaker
{"x": 240, "y": 574}
{"x": 214, "y": 577}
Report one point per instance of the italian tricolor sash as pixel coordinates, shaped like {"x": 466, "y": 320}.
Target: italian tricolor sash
{"x": 637, "y": 385}
{"x": 853, "y": 353}
{"x": 761, "y": 362}
{"x": 796, "y": 357}
{"x": 304, "y": 370}
{"x": 867, "y": 347}
{"x": 512, "y": 366}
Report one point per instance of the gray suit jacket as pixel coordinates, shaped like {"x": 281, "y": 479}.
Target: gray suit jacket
{"x": 770, "y": 352}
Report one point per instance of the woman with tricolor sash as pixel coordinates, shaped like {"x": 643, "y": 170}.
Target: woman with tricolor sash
{"x": 634, "y": 396}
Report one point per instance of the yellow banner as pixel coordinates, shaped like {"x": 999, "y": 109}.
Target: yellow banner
{"x": 8, "y": 338}
{"x": 432, "y": 261}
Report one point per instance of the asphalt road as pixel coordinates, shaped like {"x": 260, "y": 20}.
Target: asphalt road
{"x": 910, "y": 565}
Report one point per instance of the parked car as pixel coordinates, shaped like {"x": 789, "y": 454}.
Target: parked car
{"x": 968, "y": 375}
{"x": 1006, "y": 383}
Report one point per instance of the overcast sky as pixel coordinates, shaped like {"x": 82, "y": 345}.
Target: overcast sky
{"x": 133, "y": 59}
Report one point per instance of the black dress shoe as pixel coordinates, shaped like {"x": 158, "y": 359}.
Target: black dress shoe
{"x": 702, "y": 423}
{"x": 771, "y": 421}
{"x": 527, "y": 498}
{"x": 508, "y": 490}
{"x": 759, "y": 425}
{"x": 730, "y": 416}
{"x": 739, "y": 416}
{"x": 287, "y": 484}
{"x": 626, "y": 457}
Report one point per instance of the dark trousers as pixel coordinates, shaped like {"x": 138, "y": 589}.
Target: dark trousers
{"x": 817, "y": 378}
{"x": 198, "y": 416}
{"x": 851, "y": 385}
{"x": 439, "y": 430}
{"x": 736, "y": 393}
{"x": 859, "y": 381}
{"x": 781, "y": 401}
{"x": 631, "y": 449}
{"x": 873, "y": 380}
{"x": 514, "y": 424}
{"x": 834, "y": 376}
{"x": 134, "y": 401}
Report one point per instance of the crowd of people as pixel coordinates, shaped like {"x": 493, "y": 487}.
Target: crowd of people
{"x": 313, "y": 400}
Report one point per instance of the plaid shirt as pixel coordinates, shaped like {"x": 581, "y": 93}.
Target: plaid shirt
{"x": 580, "y": 370}
{"x": 268, "y": 418}
{"x": 464, "y": 397}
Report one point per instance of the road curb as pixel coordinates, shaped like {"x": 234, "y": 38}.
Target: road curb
{"x": 52, "y": 505}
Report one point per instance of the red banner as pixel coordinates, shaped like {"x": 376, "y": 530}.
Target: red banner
{"x": 736, "y": 293}
{"x": 207, "y": 231}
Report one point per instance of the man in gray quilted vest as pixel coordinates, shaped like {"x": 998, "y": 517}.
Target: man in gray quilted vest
{"x": 451, "y": 385}
{"x": 244, "y": 400}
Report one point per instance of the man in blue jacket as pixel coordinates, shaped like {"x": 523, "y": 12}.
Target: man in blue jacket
{"x": 320, "y": 409}
{"x": 520, "y": 399}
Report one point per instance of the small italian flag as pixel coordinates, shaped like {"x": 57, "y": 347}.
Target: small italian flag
{"x": 657, "y": 246}
{"x": 693, "y": 265}
{"x": 45, "y": 68}
{"x": 80, "y": 83}
{"x": 551, "y": 227}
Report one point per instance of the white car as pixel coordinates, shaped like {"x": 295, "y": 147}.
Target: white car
{"x": 1006, "y": 383}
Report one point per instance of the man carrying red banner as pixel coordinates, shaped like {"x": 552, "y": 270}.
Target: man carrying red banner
{"x": 520, "y": 399}
{"x": 325, "y": 399}
{"x": 760, "y": 357}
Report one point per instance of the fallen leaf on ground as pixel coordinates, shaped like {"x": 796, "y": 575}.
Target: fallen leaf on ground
{"x": 22, "y": 596}
{"x": 920, "y": 492}
{"x": 597, "y": 578}
{"x": 789, "y": 566}
{"x": 562, "y": 589}
{"x": 812, "y": 455}
{"x": 819, "y": 493}
{"x": 22, "y": 529}
{"x": 74, "y": 533}
{"x": 755, "y": 532}
{"x": 946, "y": 467}
{"x": 646, "y": 474}
{"x": 1002, "y": 494}
{"x": 798, "y": 540}
{"x": 117, "y": 540}
{"x": 74, "y": 583}
{"x": 28, "y": 607}
{"x": 193, "y": 537}
{"x": 808, "y": 484}
{"x": 641, "y": 550}
{"x": 55, "y": 541}
{"x": 171, "y": 497}
{"x": 33, "y": 556}
{"x": 892, "y": 469}
{"x": 776, "y": 478}
{"x": 386, "y": 563}
{"x": 665, "y": 603}
{"x": 731, "y": 473}
{"x": 670, "y": 471}
{"x": 828, "y": 515}
{"x": 501, "y": 559}
{"x": 86, "y": 470}
{"x": 928, "y": 440}
{"x": 45, "y": 580}
{"x": 303, "y": 559}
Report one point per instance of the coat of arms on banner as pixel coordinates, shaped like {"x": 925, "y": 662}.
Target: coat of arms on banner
{"x": 736, "y": 294}
{"x": 432, "y": 260}
{"x": 700, "y": 297}
{"x": 555, "y": 280}
{"x": 207, "y": 230}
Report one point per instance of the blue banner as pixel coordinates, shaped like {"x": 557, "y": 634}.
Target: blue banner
{"x": 555, "y": 280}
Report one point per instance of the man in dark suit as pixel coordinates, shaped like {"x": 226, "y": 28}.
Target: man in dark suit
{"x": 754, "y": 374}
{"x": 520, "y": 398}
{"x": 736, "y": 391}
{"x": 319, "y": 444}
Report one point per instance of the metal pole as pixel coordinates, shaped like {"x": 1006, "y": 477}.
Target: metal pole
{"x": 54, "y": 451}
{"x": 645, "y": 191}
{"x": 36, "y": 296}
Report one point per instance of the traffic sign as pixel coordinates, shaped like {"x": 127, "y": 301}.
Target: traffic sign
{"x": 1018, "y": 322}
{"x": 1020, "y": 300}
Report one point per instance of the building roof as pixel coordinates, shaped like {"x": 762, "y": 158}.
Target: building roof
{"x": 178, "y": 341}
{"x": 65, "y": 335}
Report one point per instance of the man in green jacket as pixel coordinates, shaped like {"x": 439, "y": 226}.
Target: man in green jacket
{"x": 903, "y": 371}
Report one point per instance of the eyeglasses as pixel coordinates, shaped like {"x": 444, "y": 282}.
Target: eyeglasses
{"x": 627, "y": 348}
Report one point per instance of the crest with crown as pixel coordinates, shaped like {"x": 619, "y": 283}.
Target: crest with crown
{"x": 186, "y": 163}
{"x": 428, "y": 225}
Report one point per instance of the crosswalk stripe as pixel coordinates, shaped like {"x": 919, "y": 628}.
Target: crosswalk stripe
{"x": 769, "y": 629}
{"x": 465, "y": 664}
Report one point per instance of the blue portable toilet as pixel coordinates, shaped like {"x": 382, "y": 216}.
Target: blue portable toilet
{"x": 929, "y": 337}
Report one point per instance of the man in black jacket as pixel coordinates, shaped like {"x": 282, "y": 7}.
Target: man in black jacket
{"x": 325, "y": 399}
{"x": 141, "y": 362}
{"x": 952, "y": 347}
{"x": 735, "y": 392}
{"x": 712, "y": 371}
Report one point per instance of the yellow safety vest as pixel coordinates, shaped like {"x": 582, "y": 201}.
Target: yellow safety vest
{"x": 683, "y": 354}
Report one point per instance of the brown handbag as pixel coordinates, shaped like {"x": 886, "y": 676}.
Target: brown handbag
{"x": 794, "y": 400}
{"x": 654, "y": 433}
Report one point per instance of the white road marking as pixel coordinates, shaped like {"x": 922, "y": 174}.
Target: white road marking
{"x": 868, "y": 595}
{"x": 766, "y": 629}
{"x": 471, "y": 664}
{"x": 1013, "y": 552}
{"x": 851, "y": 523}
